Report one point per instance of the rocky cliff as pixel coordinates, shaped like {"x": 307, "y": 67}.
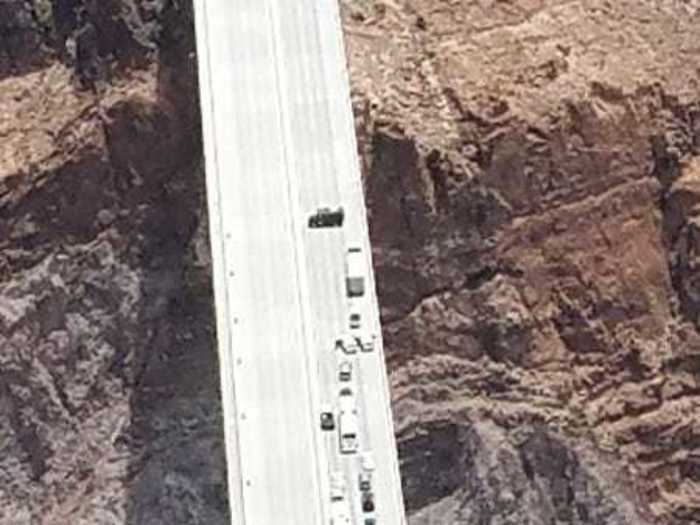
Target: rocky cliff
{"x": 532, "y": 170}
{"x": 109, "y": 406}
{"x": 532, "y": 176}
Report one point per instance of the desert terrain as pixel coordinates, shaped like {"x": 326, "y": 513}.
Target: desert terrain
{"x": 532, "y": 175}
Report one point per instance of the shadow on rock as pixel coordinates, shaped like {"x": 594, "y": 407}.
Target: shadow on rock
{"x": 177, "y": 471}
{"x": 483, "y": 473}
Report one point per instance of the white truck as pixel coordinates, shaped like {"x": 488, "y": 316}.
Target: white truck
{"x": 349, "y": 429}
{"x": 355, "y": 272}
{"x": 340, "y": 508}
{"x": 337, "y": 479}
{"x": 340, "y": 512}
{"x": 348, "y": 425}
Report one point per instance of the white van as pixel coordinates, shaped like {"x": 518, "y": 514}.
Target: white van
{"x": 349, "y": 430}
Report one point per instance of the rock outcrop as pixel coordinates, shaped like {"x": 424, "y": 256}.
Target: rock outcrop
{"x": 109, "y": 406}
{"x": 531, "y": 176}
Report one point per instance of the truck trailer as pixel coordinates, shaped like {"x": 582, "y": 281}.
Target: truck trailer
{"x": 355, "y": 272}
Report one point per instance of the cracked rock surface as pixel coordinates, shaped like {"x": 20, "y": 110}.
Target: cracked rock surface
{"x": 109, "y": 405}
{"x": 532, "y": 174}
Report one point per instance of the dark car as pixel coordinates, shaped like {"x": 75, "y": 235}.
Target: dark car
{"x": 327, "y": 218}
{"x": 370, "y": 521}
{"x": 367, "y": 502}
{"x": 327, "y": 421}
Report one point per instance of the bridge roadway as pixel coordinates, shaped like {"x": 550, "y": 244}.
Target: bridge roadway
{"x": 279, "y": 142}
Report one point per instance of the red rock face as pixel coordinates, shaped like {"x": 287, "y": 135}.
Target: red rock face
{"x": 530, "y": 172}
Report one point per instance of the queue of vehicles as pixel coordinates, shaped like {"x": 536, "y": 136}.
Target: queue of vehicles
{"x": 354, "y": 340}
{"x": 348, "y": 431}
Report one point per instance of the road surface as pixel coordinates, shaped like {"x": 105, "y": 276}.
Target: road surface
{"x": 279, "y": 142}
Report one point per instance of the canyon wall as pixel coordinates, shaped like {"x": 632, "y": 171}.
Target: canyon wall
{"x": 532, "y": 171}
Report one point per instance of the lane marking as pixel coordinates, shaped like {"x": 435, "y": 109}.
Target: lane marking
{"x": 300, "y": 263}
{"x": 216, "y": 228}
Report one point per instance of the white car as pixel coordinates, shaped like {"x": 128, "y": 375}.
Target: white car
{"x": 345, "y": 371}
{"x": 346, "y": 401}
{"x": 337, "y": 485}
{"x": 367, "y": 461}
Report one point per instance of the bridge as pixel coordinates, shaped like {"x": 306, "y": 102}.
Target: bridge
{"x": 280, "y": 144}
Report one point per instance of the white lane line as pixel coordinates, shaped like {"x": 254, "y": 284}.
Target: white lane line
{"x": 243, "y": 63}
{"x": 312, "y": 385}
{"x": 216, "y": 232}
{"x": 303, "y": 85}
